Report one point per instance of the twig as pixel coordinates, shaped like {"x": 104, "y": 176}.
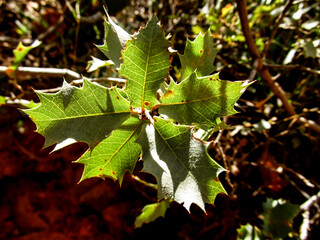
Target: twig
{"x": 97, "y": 17}
{"x": 263, "y": 71}
{"x": 290, "y": 67}
{"x": 53, "y": 72}
{"x": 305, "y": 207}
{"x": 276, "y": 26}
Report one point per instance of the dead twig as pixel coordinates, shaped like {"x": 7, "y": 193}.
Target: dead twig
{"x": 52, "y": 72}
{"x": 305, "y": 208}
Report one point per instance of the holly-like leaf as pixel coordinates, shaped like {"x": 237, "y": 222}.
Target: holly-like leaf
{"x": 151, "y": 212}
{"x": 278, "y": 218}
{"x": 115, "y": 41}
{"x": 198, "y": 55}
{"x": 116, "y": 154}
{"x": 88, "y": 114}
{"x": 146, "y": 64}
{"x": 183, "y": 169}
{"x": 201, "y": 100}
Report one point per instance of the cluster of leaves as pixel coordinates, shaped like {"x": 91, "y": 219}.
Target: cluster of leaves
{"x": 149, "y": 118}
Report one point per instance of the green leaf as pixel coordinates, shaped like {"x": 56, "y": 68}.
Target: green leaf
{"x": 198, "y": 55}
{"x": 115, "y": 41}
{"x": 88, "y": 114}
{"x": 21, "y": 51}
{"x": 151, "y": 212}
{"x": 19, "y": 54}
{"x": 2, "y": 100}
{"x": 116, "y": 154}
{"x": 201, "y": 100}
{"x": 278, "y": 215}
{"x": 146, "y": 64}
{"x": 181, "y": 164}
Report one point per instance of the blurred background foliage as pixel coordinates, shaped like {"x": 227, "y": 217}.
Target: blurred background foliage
{"x": 268, "y": 154}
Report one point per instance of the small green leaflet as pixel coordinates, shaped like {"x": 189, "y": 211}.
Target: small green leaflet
{"x": 19, "y": 54}
{"x": 181, "y": 164}
{"x": 198, "y": 55}
{"x": 151, "y": 212}
{"x": 88, "y": 114}
{"x": 201, "y": 100}
{"x": 146, "y": 64}
{"x": 115, "y": 41}
{"x": 114, "y": 155}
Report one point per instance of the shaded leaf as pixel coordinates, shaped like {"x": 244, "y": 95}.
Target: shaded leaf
{"x": 115, "y": 41}
{"x": 88, "y": 114}
{"x": 278, "y": 217}
{"x": 146, "y": 64}
{"x": 198, "y": 55}
{"x": 151, "y": 212}
{"x": 114, "y": 155}
{"x": 183, "y": 169}
{"x": 201, "y": 100}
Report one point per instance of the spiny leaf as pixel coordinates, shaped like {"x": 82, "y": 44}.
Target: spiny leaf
{"x": 146, "y": 64}
{"x": 116, "y": 154}
{"x": 201, "y": 100}
{"x": 151, "y": 212}
{"x": 115, "y": 41}
{"x": 183, "y": 169}
{"x": 88, "y": 114}
{"x": 198, "y": 55}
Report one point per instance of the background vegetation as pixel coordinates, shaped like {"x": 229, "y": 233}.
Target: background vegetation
{"x": 271, "y": 150}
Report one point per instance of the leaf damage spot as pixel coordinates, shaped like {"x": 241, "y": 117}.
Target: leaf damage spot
{"x": 211, "y": 78}
{"x": 201, "y": 51}
{"x": 113, "y": 173}
{"x": 168, "y": 93}
{"x": 146, "y": 104}
{"x": 215, "y": 179}
{"x": 20, "y": 49}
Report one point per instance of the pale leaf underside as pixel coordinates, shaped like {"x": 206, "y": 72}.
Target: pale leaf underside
{"x": 183, "y": 169}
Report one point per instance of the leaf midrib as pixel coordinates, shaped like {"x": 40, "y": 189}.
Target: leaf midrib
{"x": 146, "y": 70}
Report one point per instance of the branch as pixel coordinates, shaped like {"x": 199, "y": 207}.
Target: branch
{"x": 305, "y": 207}
{"x": 263, "y": 71}
{"x": 52, "y": 72}
{"x": 290, "y": 67}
